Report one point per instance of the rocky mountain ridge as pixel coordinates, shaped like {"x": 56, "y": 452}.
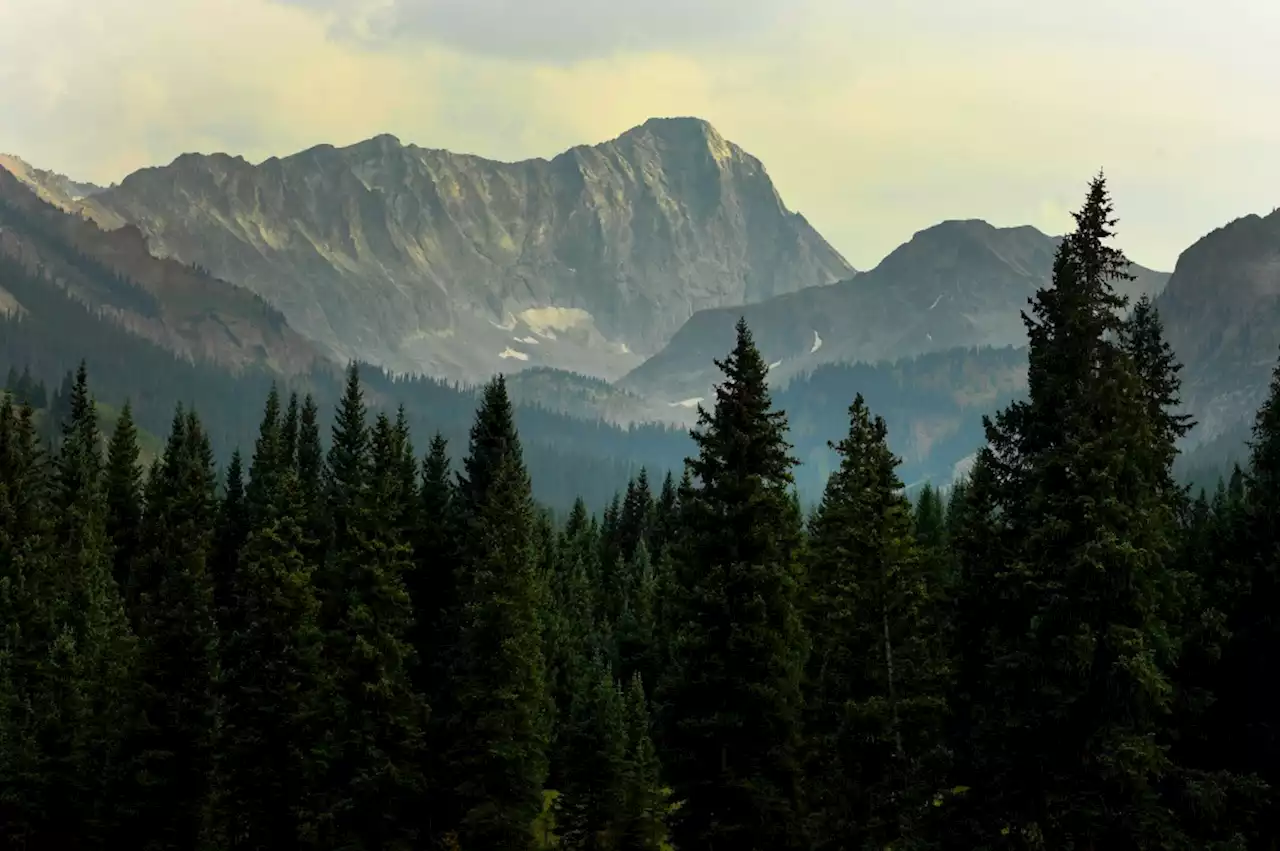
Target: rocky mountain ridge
{"x": 1221, "y": 313}
{"x": 176, "y": 306}
{"x": 423, "y": 260}
{"x": 958, "y": 284}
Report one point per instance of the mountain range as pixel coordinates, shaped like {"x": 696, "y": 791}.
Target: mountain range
{"x": 433, "y": 262}
{"x": 604, "y": 281}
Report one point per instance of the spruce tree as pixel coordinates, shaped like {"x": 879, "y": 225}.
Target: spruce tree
{"x": 275, "y": 740}
{"x": 732, "y": 698}
{"x": 124, "y": 496}
{"x": 875, "y": 680}
{"x": 498, "y": 727}
{"x": 642, "y": 825}
{"x": 178, "y": 636}
{"x": 591, "y": 808}
{"x": 576, "y": 638}
{"x": 230, "y": 534}
{"x": 431, "y": 585}
{"x": 1071, "y": 663}
{"x": 92, "y": 653}
{"x": 378, "y": 718}
{"x": 28, "y": 627}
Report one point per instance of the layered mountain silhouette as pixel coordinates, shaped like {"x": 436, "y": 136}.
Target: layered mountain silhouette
{"x": 458, "y": 266}
{"x": 955, "y": 285}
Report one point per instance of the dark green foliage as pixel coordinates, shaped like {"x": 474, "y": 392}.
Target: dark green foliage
{"x": 275, "y": 740}
{"x": 377, "y": 718}
{"x": 592, "y": 802}
{"x": 1065, "y": 679}
{"x": 498, "y": 735}
{"x": 124, "y": 496}
{"x": 642, "y": 824}
{"x": 875, "y": 676}
{"x": 731, "y": 699}
{"x": 178, "y": 638}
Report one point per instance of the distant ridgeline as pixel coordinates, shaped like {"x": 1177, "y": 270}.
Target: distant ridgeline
{"x": 52, "y": 332}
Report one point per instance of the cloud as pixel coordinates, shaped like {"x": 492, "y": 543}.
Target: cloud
{"x": 553, "y": 30}
{"x": 874, "y": 119}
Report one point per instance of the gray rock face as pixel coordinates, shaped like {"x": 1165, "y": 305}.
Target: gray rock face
{"x": 957, "y": 284}
{"x": 1221, "y": 313}
{"x": 428, "y": 261}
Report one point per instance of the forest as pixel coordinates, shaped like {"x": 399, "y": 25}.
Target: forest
{"x": 362, "y": 642}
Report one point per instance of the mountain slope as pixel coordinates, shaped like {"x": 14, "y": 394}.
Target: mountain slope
{"x": 57, "y": 189}
{"x": 458, "y": 266}
{"x": 178, "y": 307}
{"x": 957, "y": 284}
{"x": 1221, "y": 312}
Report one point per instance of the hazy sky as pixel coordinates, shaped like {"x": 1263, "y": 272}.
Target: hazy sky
{"x": 875, "y": 117}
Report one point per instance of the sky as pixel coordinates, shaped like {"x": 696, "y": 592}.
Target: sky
{"x": 875, "y": 118}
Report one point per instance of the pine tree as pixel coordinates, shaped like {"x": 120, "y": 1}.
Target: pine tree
{"x": 576, "y": 638}
{"x": 378, "y": 719}
{"x": 875, "y": 680}
{"x": 732, "y": 699}
{"x": 499, "y": 724}
{"x": 636, "y": 638}
{"x": 431, "y": 586}
{"x": 591, "y": 808}
{"x": 178, "y": 637}
{"x": 642, "y": 825}
{"x": 664, "y": 517}
{"x": 28, "y": 628}
{"x": 1246, "y": 718}
{"x": 276, "y": 685}
{"x": 230, "y": 535}
{"x": 1068, "y": 677}
{"x": 124, "y": 496}
{"x": 635, "y": 522}
{"x": 92, "y": 654}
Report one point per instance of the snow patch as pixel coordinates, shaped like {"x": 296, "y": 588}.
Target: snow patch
{"x": 817, "y": 343}
{"x": 532, "y": 341}
{"x": 545, "y": 321}
{"x": 930, "y": 336}
{"x": 509, "y": 352}
{"x": 775, "y": 364}
{"x": 624, "y": 349}
{"x": 935, "y": 301}
{"x": 686, "y": 403}
{"x": 508, "y": 323}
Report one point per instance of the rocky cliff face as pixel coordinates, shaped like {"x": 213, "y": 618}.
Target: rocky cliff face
{"x": 181, "y": 308}
{"x": 425, "y": 260}
{"x": 957, "y": 284}
{"x": 1221, "y": 312}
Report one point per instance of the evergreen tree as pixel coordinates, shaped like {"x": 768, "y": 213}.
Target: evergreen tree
{"x": 378, "y": 719}
{"x": 591, "y": 807}
{"x": 636, "y": 637}
{"x": 1068, "y": 676}
{"x": 27, "y": 621}
{"x": 124, "y": 496}
{"x": 732, "y": 698}
{"x": 642, "y": 825}
{"x": 88, "y": 693}
{"x": 664, "y": 517}
{"x": 575, "y": 637}
{"x": 499, "y": 726}
{"x": 276, "y": 684}
{"x": 431, "y": 586}
{"x": 635, "y": 521}
{"x": 230, "y": 535}
{"x": 178, "y": 639}
{"x": 875, "y": 680}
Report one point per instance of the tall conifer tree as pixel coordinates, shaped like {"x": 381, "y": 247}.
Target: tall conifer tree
{"x": 732, "y": 700}
{"x": 499, "y": 725}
